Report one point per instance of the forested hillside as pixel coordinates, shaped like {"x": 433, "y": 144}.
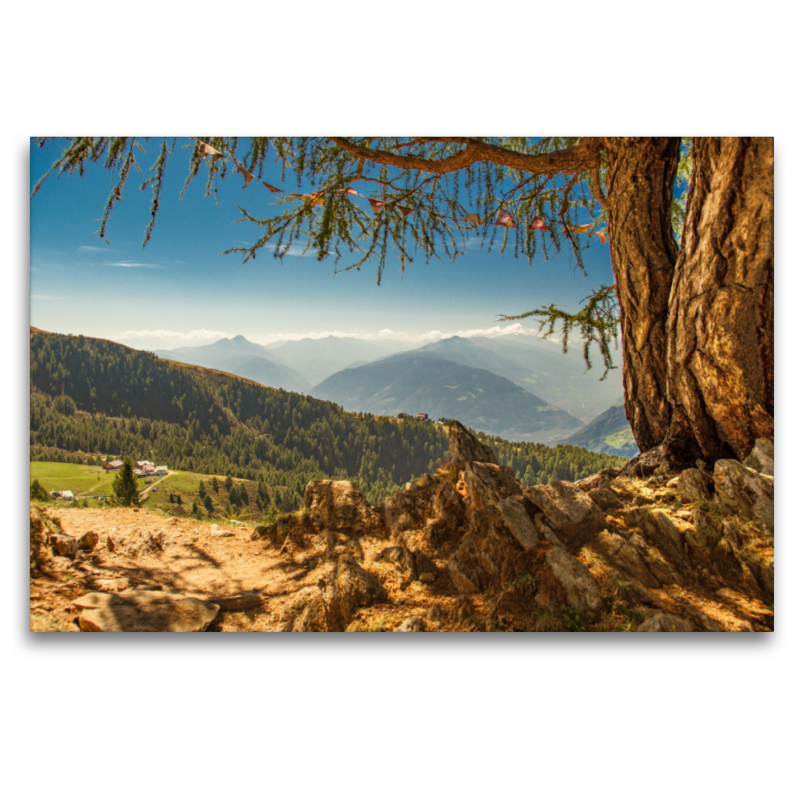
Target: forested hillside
{"x": 93, "y": 398}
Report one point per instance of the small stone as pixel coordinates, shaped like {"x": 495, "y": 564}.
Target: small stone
{"x": 411, "y": 625}
{"x": 423, "y": 564}
{"x": 435, "y": 614}
{"x": 88, "y": 541}
{"x": 110, "y": 544}
{"x": 665, "y": 623}
{"x": 63, "y": 545}
{"x": 114, "y": 585}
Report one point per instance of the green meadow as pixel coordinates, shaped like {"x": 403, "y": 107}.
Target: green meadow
{"x": 78, "y": 478}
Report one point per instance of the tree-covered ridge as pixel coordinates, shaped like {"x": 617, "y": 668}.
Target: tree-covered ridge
{"x": 539, "y": 463}
{"x": 95, "y": 397}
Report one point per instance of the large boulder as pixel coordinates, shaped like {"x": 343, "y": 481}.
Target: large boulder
{"x": 762, "y": 457}
{"x": 518, "y": 521}
{"x": 693, "y": 485}
{"x": 488, "y": 484}
{"x": 478, "y": 561}
{"x": 742, "y": 491}
{"x": 355, "y": 584}
{"x": 341, "y": 506}
{"x": 406, "y": 512}
{"x": 567, "y": 510}
{"x": 402, "y": 559}
{"x": 625, "y": 556}
{"x": 144, "y": 611}
{"x": 465, "y": 448}
{"x": 579, "y": 585}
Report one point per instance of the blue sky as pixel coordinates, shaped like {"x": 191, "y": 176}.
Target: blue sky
{"x": 179, "y": 290}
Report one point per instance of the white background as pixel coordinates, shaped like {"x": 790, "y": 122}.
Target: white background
{"x": 452, "y": 716}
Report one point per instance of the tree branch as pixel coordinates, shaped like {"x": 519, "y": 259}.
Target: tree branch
{"x": 585, "y": 154}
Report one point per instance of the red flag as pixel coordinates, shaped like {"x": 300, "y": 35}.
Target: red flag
{"x": 504, "y": 219}
{"x": 601, "y": 235}
{"x": 316, "y": 198}
{"x": 406, "y": 211}
{"x": 538, "y": 224}
{"x": 248, "y": 176}
{"x": 272, "y": 188}
{"x": 206, "y": 149}
{"x": 579, "y": 228}
{"x": 350, "y": 191}
{"x": 376, "y": 205}
{"x": 472, "y": 218}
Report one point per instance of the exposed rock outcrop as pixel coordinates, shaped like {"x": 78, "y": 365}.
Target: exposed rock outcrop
{"x": 341, "y": 506}
{"x": 644, "y": 548}
{"x": 744, "y": 492}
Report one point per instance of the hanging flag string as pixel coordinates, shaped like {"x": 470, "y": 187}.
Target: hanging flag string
{"x": 504, "y": 218}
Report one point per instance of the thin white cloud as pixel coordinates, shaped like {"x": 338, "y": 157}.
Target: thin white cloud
{"x": 131, "y": 264}
{"x": 294, "y": 250}
{"x": 88, "y": 249}
{"x": 170, "y": 338}
{"x": 195, "y": 335}
{"x": 514, "y": 329}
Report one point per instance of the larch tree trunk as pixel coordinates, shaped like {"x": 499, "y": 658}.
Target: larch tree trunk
{"x": 640, "y": 183}
{"x": 720, "y": 351}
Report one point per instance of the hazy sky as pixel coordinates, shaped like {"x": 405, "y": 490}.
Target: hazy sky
{"x": 179, "y": 290}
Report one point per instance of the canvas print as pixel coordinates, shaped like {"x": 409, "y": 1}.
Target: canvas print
{"x": 402, "y": 384}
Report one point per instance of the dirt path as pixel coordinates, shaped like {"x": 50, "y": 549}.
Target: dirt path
{"x": 180, "y": 555}
{"x": 144, "y": 492}
{"x": 188, "y": 557}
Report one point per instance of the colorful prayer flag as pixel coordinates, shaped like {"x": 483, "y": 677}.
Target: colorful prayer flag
{"x": 472, "y": 218}
{"x": 504, "y": 219}
{"x": 601, "y": 235}
{"x": 376, "y": 205}
{"x": 538, "y": 224}
{"x": 579, "y": 228}
{"x": 248, "y": 176}
{"x": 272, "y": 188}
{"x": 206, "y": 149}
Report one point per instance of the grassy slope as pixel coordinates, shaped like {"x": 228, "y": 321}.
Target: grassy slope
{"x": 75, "y": 477}
{"x": 78, "y": 478}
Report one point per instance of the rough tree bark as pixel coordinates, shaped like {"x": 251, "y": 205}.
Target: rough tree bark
{"x": 641, "y": 178}
{"x": 720, "y": 352}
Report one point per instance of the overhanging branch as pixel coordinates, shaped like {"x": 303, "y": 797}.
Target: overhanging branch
{"x": 584, "y": 154}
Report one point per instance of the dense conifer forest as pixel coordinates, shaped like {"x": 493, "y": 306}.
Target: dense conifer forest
{"x": 93, "y": 399}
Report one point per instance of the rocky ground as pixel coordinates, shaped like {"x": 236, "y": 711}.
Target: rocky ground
{"x": 643, "y": 548}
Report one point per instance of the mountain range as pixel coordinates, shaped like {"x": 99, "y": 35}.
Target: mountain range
{"x": 607, "y": 433}
{"x": 418, "y": 382}
{"x": 294, "y": 366}
{"x": 520, "y": 387}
